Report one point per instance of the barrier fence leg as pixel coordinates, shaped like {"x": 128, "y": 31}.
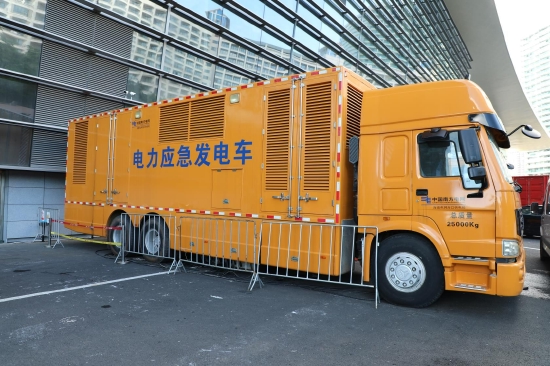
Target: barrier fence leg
{"x": 49, "y": 236}
{"x": 121, "y": 253}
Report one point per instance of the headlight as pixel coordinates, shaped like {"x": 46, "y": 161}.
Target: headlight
{"x": 510, "y": 248}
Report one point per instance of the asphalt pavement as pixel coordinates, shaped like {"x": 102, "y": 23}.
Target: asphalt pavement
{"x": 75, "y": 306}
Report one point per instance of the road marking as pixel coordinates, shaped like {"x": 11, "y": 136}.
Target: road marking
{"x": 80, "y": 287}
{"x": 537, "y": 249}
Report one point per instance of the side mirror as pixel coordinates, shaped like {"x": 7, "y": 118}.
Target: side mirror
{"x": 469, "y": 145}
{"x": 353, "y": 151}
{"x": 528, "y": 131}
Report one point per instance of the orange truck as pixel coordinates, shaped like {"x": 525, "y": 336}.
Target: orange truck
{"x": 422, "y": 163}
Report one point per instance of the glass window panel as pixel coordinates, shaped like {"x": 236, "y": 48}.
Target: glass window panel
{"x": 200, "y": 7}
{"x": 17, "y": 99}
{"x": 15, "y": 145}
{"x": 254, "y": 6}
{"x": 240, "y": 26}
{"x": 19, "y": 52}
{"x": 26, "y": 12}
{"x": 275, "y": 46}
{"x": 170, "y": 89}
{"x": 313, "y": 19}
{"x": 277, "y": 20}
{"x": 142, "y": 11}
{"x": 143, "y": 86}
{"x": 291, "y": 4}
{"x": 146, "y": 50}
{"x": 305, "y": 62}
{"x": 335, "y": 14}
{"x": 332, "y": 56}
{"x": 181, "y": 63}
{"x": 307, "y": 40}
{"x": 224, "y": 78}
{"x": 190, "y": 33}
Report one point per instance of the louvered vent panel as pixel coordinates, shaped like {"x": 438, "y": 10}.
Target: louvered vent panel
{"x": 49, "y": 150}
{"x": 113, "y": 37}
{"x": 107, "y": 76}
{"x": 63, "y": 64}
{"x": 24, "y": 146}
{"x": 278, "y": 139}
{"x": 98, "y": 105}
{"x": 316, "y": 172}
{"x": 353, "y": 125}
{"x": 174, "y": 123}
{"x": 56, "y": 107}
{"x": 207, "y": 118}
{"x": 80, "y": 150}
{"x": 70, "y": 21}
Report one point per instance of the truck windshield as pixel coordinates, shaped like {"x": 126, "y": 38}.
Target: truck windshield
{"x": 500, "y": 157}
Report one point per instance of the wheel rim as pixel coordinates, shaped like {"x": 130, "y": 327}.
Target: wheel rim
{"x": 117, "y": 236}
{"x": 405, "y": 272}
{"x": 152, "y": 241}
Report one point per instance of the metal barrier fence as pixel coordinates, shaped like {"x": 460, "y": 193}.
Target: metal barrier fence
{"x": 152, "y": 236}
{"x": 49, "y": 226}
{"x": 309, "y": 251}
{"x": 317, "y": 252}
{"x": 224, "y": 243}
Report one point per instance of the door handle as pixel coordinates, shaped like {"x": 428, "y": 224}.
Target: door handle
{"x": 421, "y": 192}
{"x": 103, "y": 191}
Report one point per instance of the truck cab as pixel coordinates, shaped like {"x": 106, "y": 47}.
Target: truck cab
{"x": 443, "y": 199}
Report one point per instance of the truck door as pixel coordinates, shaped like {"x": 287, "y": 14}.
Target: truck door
{"x": 448, "y": 201}
{"x": 119, "y": 159}
{"x": 317, "y": 102}
{"x": 102, "y": 128}
{"x": 299, "y": 133}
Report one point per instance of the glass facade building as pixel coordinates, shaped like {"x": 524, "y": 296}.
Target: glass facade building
{"x": 535, "y": 75}
{"x": 61, "y": 59}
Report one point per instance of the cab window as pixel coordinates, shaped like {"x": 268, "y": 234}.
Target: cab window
{"x": 442, "y": 158}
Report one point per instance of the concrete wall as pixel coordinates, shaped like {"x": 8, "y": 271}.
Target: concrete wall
{"x": 24, "y": 193}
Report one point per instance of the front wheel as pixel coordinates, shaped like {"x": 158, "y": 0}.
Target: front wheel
{"x": 155, "y": 239}
{"x": 410, "y": 272}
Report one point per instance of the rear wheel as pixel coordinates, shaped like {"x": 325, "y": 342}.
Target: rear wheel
{"x": 155, "y": 239}
{"x": 543, "y": 254}
{"x": 116, "y": 236}
{"x": 409, "y": 271}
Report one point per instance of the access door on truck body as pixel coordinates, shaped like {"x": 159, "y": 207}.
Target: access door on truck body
{"x": 300, "y": 121}
{"x": 112, "y": 154}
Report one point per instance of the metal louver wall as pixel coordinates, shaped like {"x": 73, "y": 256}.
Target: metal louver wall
{"x": 207, "y": 118}
{"x": 353, "y": 125}
{"x": 69, "y": 66}
{"x": 318, "y": 126}
{"x": 56, "y": 107}
{"x": 86, "y": 27}
{"x": 49, "y": 150}
{"x": 278, "y": 140}
{"x": 80, "y": 150}
{"x": 97, "y": 105}
{"x": 174, "y": 122}
{"x": 79, "y": 26}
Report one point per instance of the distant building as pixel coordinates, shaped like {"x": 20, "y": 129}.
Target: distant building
{"x": 535, "y": 74}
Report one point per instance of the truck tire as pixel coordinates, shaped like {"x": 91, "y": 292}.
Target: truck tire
{"x": 410, "y": 272}
{"x": 155, "y": 240}
{"x": 115, "y": 236}
{"x": 543, "y": 255}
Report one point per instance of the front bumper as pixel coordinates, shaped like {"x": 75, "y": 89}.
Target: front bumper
{"x": 511, "y": 276}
